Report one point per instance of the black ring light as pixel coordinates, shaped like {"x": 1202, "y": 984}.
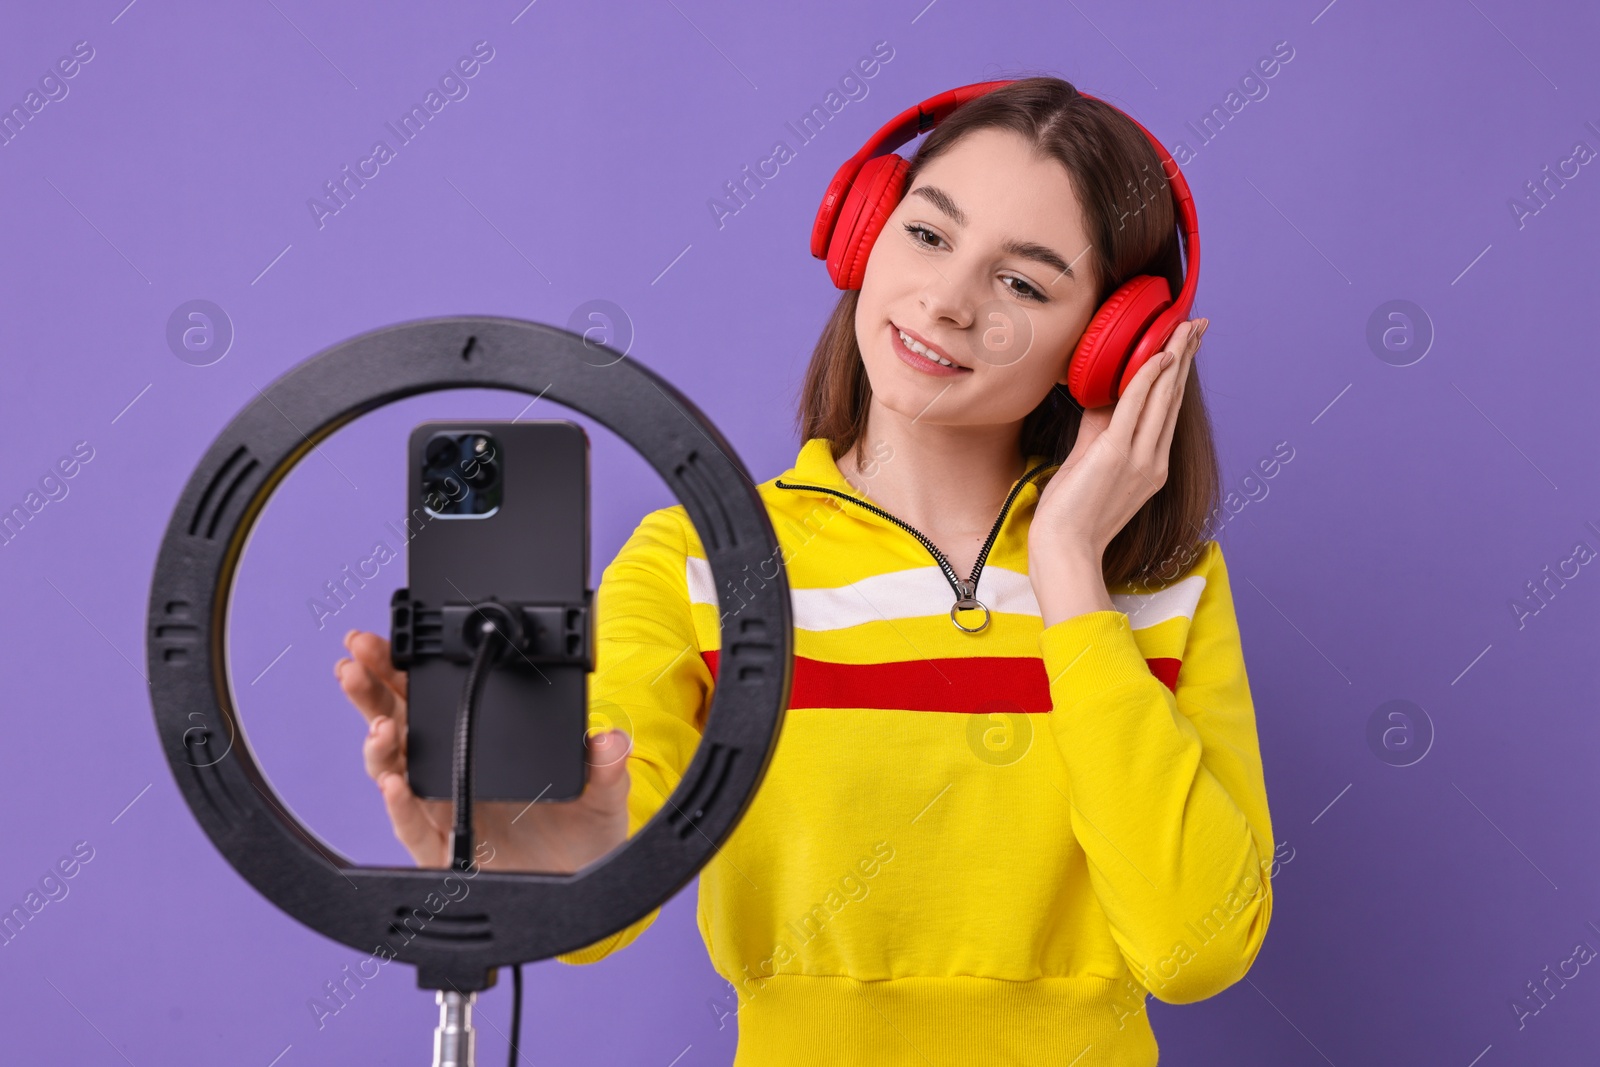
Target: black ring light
{"x": 507, "y": 917}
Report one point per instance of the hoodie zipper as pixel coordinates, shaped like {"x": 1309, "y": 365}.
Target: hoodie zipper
{"x": 966, "y": 589}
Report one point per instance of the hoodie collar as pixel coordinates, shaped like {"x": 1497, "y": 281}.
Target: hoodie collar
{"x": 815, "y": 466}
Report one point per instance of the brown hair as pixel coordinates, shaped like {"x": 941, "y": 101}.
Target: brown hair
{"x": 1118, "y": 179}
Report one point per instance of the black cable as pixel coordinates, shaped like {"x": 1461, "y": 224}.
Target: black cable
{"x": 491, "y": 641}
{"x": 516, "y": 1010}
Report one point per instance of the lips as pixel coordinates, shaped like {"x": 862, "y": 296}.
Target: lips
{"x": 918, "y": 361}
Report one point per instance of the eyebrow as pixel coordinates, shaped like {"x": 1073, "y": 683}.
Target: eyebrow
{"x": 1026, "y": 249}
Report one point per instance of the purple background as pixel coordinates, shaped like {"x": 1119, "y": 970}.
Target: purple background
{"x": 1379, "y": 564}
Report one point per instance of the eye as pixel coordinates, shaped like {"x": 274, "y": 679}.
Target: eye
{"x": 919, "y": 234}
{"x": 1027, "y": 292}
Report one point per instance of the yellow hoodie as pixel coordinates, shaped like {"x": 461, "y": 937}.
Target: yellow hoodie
{"x": 969, "y": 848}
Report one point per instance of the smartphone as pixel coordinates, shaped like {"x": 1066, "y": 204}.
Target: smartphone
{"x": 499, "y": 509}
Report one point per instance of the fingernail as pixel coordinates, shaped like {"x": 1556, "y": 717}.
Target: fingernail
{"x": 348, "y": 636}
{"x": 1166, "y": 359}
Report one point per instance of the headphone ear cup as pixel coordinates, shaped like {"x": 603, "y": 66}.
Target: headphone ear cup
{"x": 1110, "y": 337}
{"x": 828, "y": 211}
{"x": 873, "y": 196}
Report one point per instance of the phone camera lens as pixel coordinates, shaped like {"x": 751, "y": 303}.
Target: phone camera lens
{"x": 441, "y": 452}
{"x": 481, "y": 475}
{"x": 440, "y": 490}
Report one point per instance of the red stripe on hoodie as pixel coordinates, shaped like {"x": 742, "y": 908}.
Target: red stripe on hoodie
{"x": 964, "y": 684}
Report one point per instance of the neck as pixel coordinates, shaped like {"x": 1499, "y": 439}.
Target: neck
{"x": 932, "y": 476}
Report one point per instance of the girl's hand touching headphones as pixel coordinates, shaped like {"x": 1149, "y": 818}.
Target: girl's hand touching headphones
{"x": 1119, "y": 460}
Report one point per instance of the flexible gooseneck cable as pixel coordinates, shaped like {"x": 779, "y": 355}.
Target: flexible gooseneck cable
{"x": 492, "y": 642}
{"x": 455, "y": 1041}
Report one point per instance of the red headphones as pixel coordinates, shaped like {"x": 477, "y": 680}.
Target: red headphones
{"x": 1132, "y": 325}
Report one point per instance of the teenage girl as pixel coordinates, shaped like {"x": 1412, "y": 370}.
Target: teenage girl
{"x": 1018, "y": 787}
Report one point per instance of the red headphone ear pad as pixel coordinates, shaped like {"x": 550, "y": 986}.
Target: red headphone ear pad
{"x": 828, "y": 211}
{"x": 871, "y": 199}
{"x": 1110, "y": 336}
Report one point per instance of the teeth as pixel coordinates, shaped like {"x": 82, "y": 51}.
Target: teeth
{"x": 922, "y": 350}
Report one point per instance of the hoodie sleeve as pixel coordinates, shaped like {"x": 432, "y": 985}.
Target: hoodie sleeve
{"x": 650, "y": 679}
{"x": 1168, "y": 796}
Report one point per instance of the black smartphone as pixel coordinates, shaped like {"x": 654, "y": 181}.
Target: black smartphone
{"x": 501, "y": 509}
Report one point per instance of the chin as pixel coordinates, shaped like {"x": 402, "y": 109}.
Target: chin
{"x": 917, "y": 405}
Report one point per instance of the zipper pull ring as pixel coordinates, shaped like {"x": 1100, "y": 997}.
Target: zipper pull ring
{"x": 966, "y": 600}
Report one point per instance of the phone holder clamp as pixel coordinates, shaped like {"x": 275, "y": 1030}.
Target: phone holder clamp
{"x": 539, "y": 633}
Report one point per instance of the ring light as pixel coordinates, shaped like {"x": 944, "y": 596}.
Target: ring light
{"x": 509, "y": 917}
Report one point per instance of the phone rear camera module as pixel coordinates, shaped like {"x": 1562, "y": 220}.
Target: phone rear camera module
{"x": 461, "y": 475}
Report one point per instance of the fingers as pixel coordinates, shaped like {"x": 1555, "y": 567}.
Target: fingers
{"x": 1130, "y": 406}
{"x": 608, "y": 764}
{"x": 372, "y": 684}
{"x": 604, "y": 800}
{"x": 413, "y": 825}
{"x": 373, "y": 653}
{"x": 1169, "y": 391}
{"x": 1180, "y": 384}
{"x": 365, "y": 689}
{"x": 384, "y": 749}
{"x": 1160, "y": 395}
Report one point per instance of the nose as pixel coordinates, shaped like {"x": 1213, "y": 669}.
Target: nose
{"x": 948, "y": 294}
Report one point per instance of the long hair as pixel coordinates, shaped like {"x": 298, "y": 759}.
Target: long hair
{"x": 1129, "y": 215}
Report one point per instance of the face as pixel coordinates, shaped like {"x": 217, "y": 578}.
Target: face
{"x": 983, "y": 262}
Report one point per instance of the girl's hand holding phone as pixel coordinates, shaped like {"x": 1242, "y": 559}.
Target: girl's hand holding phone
{"x": 548, "y": 838}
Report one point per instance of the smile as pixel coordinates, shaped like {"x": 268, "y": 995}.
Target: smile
{"x": 921, "y": 357}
